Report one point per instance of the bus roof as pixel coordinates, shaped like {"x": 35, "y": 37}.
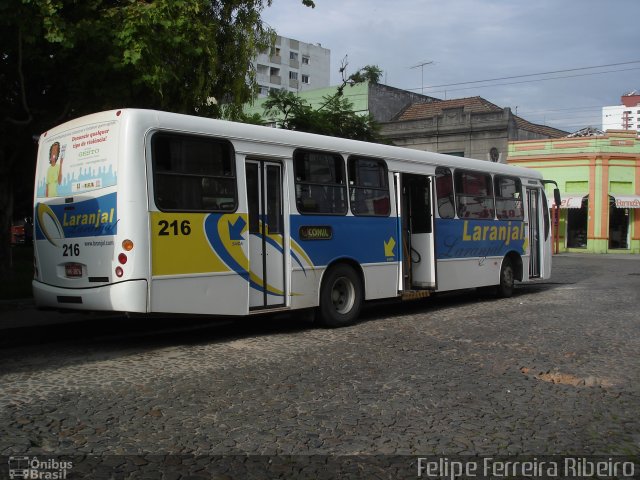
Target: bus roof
{"x": 269, "y": 135}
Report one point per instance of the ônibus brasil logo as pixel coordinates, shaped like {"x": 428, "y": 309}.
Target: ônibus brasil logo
{"x": 33, "y": 468}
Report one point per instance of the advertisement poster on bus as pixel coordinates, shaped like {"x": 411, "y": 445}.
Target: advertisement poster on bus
{"x": 77, "y": 160}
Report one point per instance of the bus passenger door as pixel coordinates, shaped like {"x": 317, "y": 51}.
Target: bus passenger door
{"x": 533, "y": 200}
{"x": 419, "y": 265}
{"x": 266, "y": 228}
{"x": 547, "y": 238}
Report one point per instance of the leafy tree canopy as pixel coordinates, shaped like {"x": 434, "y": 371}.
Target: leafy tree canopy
{"x": 335, "y": 117}
{"x": 369, "y": 73}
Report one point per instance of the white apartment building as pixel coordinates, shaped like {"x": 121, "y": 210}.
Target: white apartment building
{"x": 625, "y": 116}
{"x": 293, "y": 65}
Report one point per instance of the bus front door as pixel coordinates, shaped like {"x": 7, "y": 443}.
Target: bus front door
{"x": 533, "y": 199}
{"x": 540, "y": 238}
{"x": 419, "y": 265}
{"x": 266, "y": 228}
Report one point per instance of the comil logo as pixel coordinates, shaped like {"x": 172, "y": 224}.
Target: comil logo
{"x": 33, "y": 468}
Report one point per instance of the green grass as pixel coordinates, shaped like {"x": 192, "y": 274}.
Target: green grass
{"x": 18, "y": 282}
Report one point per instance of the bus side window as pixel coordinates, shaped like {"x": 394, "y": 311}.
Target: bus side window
{"x": 508, "y": 198}
{"x": 369, "y": 187}
{"x": 444, "y": 193}
{"x": 474, "y": 194}
{"x": 320, "y": 183}
{"x": 192, "y": 173}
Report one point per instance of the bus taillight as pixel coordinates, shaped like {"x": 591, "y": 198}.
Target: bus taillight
{"x": 119, "y": 271}
{"x": 122, "y": 258}
{"x": 127, "y": 245}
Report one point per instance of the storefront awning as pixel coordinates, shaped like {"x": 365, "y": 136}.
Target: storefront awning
{"x": 571, "y": 200}
{"x": 626, "y": 201}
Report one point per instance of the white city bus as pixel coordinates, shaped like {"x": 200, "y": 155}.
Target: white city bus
{"x": 147, "y": 211}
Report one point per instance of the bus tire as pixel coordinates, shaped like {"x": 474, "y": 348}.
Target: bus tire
{"x": 507, "y": 276}
{"x": 340, "y": 297}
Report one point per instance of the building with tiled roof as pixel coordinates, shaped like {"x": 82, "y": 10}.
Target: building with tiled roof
{"x": 469, "y": 127}
{"x": 418, "y": 111}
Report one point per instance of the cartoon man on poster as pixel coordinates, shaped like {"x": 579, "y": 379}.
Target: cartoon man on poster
{"x": 54, "y": 173}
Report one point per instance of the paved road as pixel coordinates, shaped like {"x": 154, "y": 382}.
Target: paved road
{"x": 552, "y": 370}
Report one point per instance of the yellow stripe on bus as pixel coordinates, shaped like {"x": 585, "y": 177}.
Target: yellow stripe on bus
{"x": 179, "y": 245}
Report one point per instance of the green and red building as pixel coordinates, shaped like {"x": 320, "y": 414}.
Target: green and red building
{"x": 599, "y": 180}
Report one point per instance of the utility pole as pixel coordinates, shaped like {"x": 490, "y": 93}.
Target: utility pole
{"x": 421, "y": 65}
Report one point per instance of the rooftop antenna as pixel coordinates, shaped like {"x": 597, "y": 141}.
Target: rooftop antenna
{"x": 421, "y": 65}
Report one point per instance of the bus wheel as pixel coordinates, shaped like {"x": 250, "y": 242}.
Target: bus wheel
{"x": 340, "y": 297}
{"x": 505, "y": 288}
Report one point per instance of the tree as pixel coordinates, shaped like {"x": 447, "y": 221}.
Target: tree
{"x": 335, "y": 117}
{"x": 63, "y": 58}
{"x": 369, "y": 73}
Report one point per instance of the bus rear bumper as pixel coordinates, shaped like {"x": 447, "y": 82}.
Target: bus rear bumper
{"x": 128, "y": 296}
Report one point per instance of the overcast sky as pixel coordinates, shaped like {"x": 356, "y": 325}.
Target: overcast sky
{"x": 473, "y": 40}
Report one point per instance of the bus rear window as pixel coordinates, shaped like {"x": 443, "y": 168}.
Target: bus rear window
{"x": 193, "y": 173}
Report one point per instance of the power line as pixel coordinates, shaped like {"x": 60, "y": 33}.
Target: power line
{"x": 575, "y": 109}
{"x": 534, "y": 74}
{"x": 526, "y": 81}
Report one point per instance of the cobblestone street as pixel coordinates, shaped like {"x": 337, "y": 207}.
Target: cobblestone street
{"x": 552, "y": 370}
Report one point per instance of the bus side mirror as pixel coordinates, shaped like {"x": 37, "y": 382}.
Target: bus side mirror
{"x": 556, "y": 197}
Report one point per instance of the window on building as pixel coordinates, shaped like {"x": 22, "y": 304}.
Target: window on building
{"x": 320, "y": 183}
{"x": 508, "y": 198}
{"x": 369, "y": 187}
{"x": 293, "y": 56}
{"x": 305, "y": 61}
{"x": 474, "y": 195}
{"x": 293, "y": 75}
{"x": 193, "y": 174}
{"x": 444, "y": 193}
{"x": 305, "y": 79}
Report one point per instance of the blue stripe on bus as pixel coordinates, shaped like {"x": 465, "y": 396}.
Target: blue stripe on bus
{"x": 218, "y": 244}
{"x": 95, "y": 217}
{"x": 458, "y": 238}
{"x": 363, "y": 239}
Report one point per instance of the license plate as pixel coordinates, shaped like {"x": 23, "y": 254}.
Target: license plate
{"x": 73, "y": 270}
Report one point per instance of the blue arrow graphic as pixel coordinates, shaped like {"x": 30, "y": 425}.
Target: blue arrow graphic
{"x": 235, "y": 230}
